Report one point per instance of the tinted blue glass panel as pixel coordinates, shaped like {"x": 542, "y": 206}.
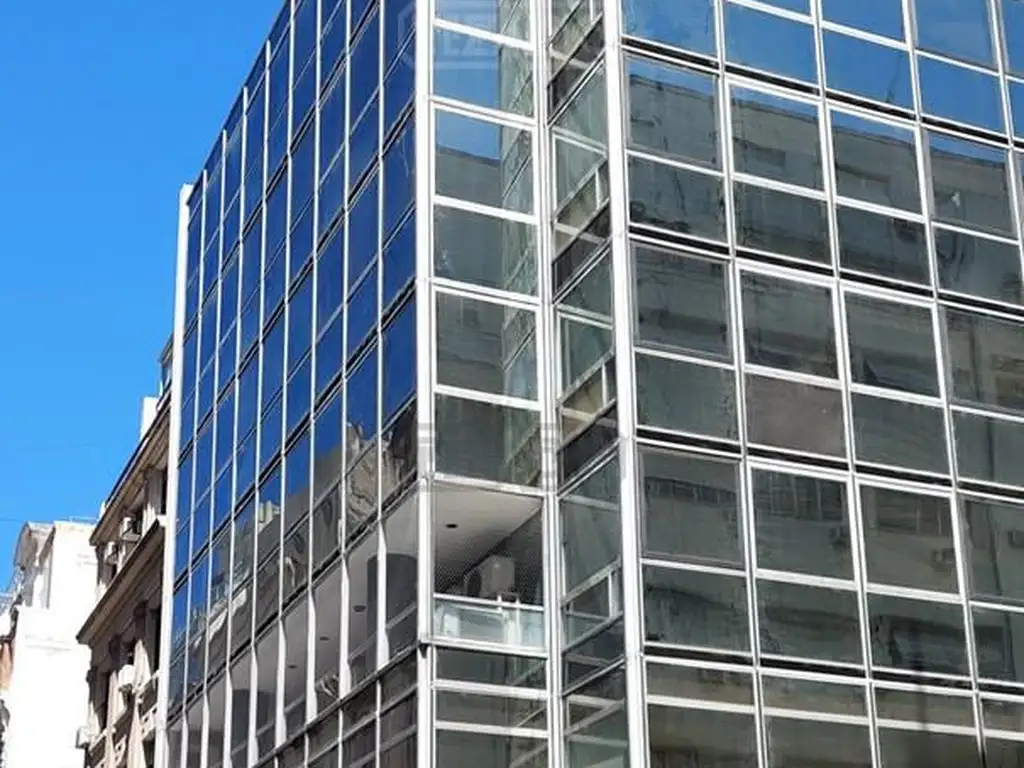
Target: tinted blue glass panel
{"x": 277, "y": 145}
{"x": 304, "y": 32}
{"x": 330, "y": 280}
{"x": 1017, "y": 106}
{"x": 961, "y": 94}
{"x": 687, "y": 24}
{"x": 182, "y": 548}
{"x": 365, "y": 69}
{"x": 799, "y": 6}
{"x": 300, "y": 321}
{"x": 303, "y": 174}
{"x": 200, "y": 524}
{"x": 277, "y": 218}
{"x": 270, "y": 433}
{"x": 205, "y": 393}
{"x": 278, "y": 85}
{"x": 399, "y": 263}
{"x": 362, "y": 313}
{"x": 361, "y": 393}
{"x": 189, "y": 357}
{"x": 363, "y": 145}
{"x": 226, "y": 358}
{"x": 362, "y": 229}
{"x": 298, "y": 396}
{"x": 304, "y": 96}
{"x": 272, "y": 364}
{"x": 222, "y": 499}
{"x": 359, "y": 9}
{"x": 868, "y": 70}
{"x": 332, "y": 194}
{"x": 957, "y": 28}
{"x": 883, "y": 17}
{"x": 332, "y": 45}
{"x": 254, "y": 119}
{"x": 399, "y": 178}
{"x": 232, "y": 223}
{"x": 225, "y": 432}
{"x": 253, "y": 190}
{"x": 191, "y": 300}
{"x": 398, "y": 87}
{"x": 332, "y": 122}
{"x": 301, "y": 241}
{"x": 245, "y": 464}
{"x": 328, "y": 355}
{"x": 252, "y": 265}
{"x": 399, "y": 22}
{"x": 195, "y": 243}
{"x": 273, "y": 285}
{"x": 771, "y": 43}
{"x": 228, "y": 297}
{"x": 1013, "y": 31}
{"x": 233, "y": 165}
{"x": 399, "y": 360}
{"x": 248, "y": 394}
{"x": 249, "y": 326}
{"x": 208, "y": 331}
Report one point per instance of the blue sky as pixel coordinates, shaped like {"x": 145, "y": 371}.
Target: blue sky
{"x": 107, "y": 108}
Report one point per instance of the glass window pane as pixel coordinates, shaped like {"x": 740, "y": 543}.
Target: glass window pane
{"x": 488, "y": 441}
{"x": 460, "y": 237}
{"x": 989, "y": 449}
{"x": 484, "y": 162}
{"x": 809, "y": 622}
{"x": 854, "y": 66}
{"x": 682, "y": 301}
{"x": 676, "y": 199}
{"x": 486, "y": 346}
{"x": 794, "y": 416}
{"x": 694, "y": 608}
{"x": 957, "y": 28}
{"x": 882, "y": 17}
{"x": 690, "y": 508}
{"x": 875, "y": 161}
{"x": 978, "y": 266}
{"x": 813, "y": 743}
{"x": 481, "y": 72}
{"x": 776, "y": 138}
{"x": 970, "y": 185}
{"x": 801, "y": 524}
{"x": 917, "y": 636}
{"x": 1016, "y": 90}
{"x": 700, "y": 738}
{"x": 788, "y": 325}
{"x": 673, "y": 111}
{"x": 883, "y": 246}
{"x": 900, "y": 434}
{"x": 791, "y": 54}
{"x": 908, "y": 539}
{"x": 985, "y": 352}
{"x": 814, "y": 696}
{"x": 688, "y": 24}
{"x": 891, "y": 345}
{"x": 998, "y": 636}
{"x": 960, "y": 94}
{"x": 791, "y": 225}
{"x": 1013, "y": 31}
{"x": 912, "y": 749}
{"x": 708, "y": 406}
{"x": 995, "y": 537}
{"x": 490, "y": 16}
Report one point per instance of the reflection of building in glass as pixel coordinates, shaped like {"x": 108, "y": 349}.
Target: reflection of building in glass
{"x": 604, "y": 384}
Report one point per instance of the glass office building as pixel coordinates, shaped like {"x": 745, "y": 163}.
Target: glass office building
{"x": 604, "y": 384}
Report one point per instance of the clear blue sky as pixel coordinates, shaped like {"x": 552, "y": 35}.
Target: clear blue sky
{"x": 105, "y": 110}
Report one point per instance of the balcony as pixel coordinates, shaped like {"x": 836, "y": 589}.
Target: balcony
{"x": 487, "y": 621}
{"x": 147, "y": 707}
{"x": 97, "y": 751}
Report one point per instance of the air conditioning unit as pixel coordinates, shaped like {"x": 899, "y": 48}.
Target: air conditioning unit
{"x": 131, "y": 529}
{"x": 83, "y": 737}
{"x": 495, "y": 577}
{"x": 126, "y": 678}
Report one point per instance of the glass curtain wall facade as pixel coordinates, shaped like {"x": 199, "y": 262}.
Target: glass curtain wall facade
{"x": 605, "y": 384}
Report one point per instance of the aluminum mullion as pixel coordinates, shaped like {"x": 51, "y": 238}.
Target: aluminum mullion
{"x": 631, "y": 575}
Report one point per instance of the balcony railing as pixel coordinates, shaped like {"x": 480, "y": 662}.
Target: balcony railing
{"x": 488, "y": 621}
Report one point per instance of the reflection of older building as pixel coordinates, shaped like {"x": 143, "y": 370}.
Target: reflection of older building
{"x": 43, "y": 667}
{"x": 122, "y": 631}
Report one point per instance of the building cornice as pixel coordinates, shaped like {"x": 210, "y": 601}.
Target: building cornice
{"x": 139, "y": 579}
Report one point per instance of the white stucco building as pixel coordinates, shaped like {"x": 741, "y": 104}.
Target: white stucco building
{"x": 43, "y": 668}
